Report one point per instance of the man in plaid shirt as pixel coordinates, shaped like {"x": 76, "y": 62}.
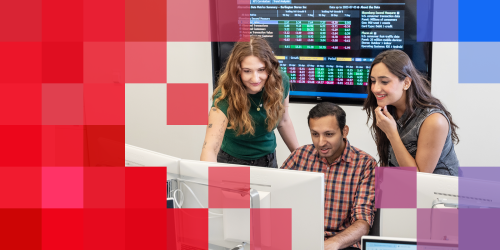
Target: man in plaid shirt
{"x": 349, "y": 176}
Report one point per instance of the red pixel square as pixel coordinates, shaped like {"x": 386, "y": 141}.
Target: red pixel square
{"x": 62, "y": 62}
{"x": 229, "y": 187}
{"x": 145, "y": 187}
{"x": 146, "y": 229}
{"x": 20, "y": 104}
{"x": 198, "y": 27}
{"x": 146, "y": 20}
{"x": 20, "y": 187}
{"x": 62, "y": 229}
{"x": 103, "y": 229}
{"x": 62, "y": 187}
{"x": 104, "y": 62}
{"x": 21, "y": 21}
{"x": 194, "y": 27}
{"x": 22, "y": 145}
{"x": 21, "y": 229}
{"x": 21, "y": 62}
{"x": 145, "y": 62}
{"x": 62, "y": 104}
{"x": 62, "y": 146}
{"x": 271, "y": 229}
{"x": 104, "y": 187}
{"x": 103, "y": 145}
{"x": 104, "y": 104}
{"x": 62, "y": 21}
{"x": 191, "y": 227}
{"x": 194, "y": 101}
{"x": 104, "y": 21}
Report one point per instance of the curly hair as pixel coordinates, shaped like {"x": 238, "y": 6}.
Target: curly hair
{"x": 231, "y": 87}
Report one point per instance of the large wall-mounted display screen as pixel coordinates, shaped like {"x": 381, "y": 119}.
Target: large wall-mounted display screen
{"x": 326, "y": 47}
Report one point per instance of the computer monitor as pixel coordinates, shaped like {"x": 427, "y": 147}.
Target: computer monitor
{"x": 302, "y": 192}
{"x": 326, "y": 47}
{"x": 429, "y": 188}
{"x": 387, "y": 243}
{"x": 391, "y": 243}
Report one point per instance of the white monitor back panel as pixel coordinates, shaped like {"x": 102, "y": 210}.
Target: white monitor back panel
{"x": 301, "y": 191}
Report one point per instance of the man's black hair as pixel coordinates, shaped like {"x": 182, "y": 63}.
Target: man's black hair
{"x": 325, "y": 109}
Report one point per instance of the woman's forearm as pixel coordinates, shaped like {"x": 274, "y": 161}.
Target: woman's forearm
{"x": 287, "y": 132}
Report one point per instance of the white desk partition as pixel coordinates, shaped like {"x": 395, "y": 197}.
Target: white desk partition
{"x": 135, "y": 156}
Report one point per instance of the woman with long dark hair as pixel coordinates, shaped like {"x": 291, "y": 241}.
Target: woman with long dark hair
{"x": 250, "y": 101}
{"x": 410, "y": 127}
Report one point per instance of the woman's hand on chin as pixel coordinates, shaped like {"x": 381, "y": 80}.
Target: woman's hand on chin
{"x": 386, "y": 122}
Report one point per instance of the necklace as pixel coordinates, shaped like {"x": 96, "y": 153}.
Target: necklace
{"x": 258, "y": 106}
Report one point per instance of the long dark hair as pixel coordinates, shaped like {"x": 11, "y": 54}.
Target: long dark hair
{"x": 232, "y": 88}
{"x": 418, "y": 95}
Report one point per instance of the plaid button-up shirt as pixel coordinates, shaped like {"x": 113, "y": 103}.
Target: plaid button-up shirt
{"x": 349, "y": 185}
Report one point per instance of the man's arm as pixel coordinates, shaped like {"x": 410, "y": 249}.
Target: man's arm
{"x": 349, "y": 236}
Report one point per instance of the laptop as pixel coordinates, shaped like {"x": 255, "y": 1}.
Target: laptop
{"x": 391, "y": 243}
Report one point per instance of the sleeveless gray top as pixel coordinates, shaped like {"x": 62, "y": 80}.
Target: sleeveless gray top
{"x": 448, "y": 161}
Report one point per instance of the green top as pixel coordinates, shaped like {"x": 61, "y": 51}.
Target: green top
{"x": 250, "y": 147}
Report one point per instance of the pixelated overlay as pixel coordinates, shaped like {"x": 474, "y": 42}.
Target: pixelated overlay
{"x": 19, "y": 23}
{"x": 21, "y": 62}
{"x": 469, "y": 56}
{"x": 187, "y": 104}
{"x": 271, "y": 229}
{"x": 62, "y": 145}
{"x": 145, "y": 187}
{"x": 20, "y": 188}
{"x": 478, "y": 32}
{"x": 103, "y": 145}
{"x": 62, "y": 26}
{"x": 146, "y": 20}
{"x": 62, "y": 104}
{"x": 190, "y": 226}
{"x": 437, "y": 226}
{"x": 146, "y": 228}
{"x": 45, "y": 42}
{"x": 449, "y": 21}
{"x": 62, "y": 187}
{"x": 229, "y": 187}
{"x": 20, "y": 104}
{"x": 22, "y": 145}
{"x": 104, "y": 21}
{"x": 62, "y": 229}
{"x": 478, "y": 202}
{"x": 104, "y": 62}
{"x": 19, "y": 225}
{"x": 104, "y": 187}
{"x": 145, "y": 62}
{"x": 437, "y": 20}
{"x": 214, "y": 20}
{"x": 62, "y": 62}
{"x": 396, "y": 187}
{"x": 104, "y": 228}
{"x": 104, "y": 105}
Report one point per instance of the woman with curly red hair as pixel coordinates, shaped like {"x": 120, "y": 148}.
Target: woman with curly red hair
{"x": 250, "y": 101}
